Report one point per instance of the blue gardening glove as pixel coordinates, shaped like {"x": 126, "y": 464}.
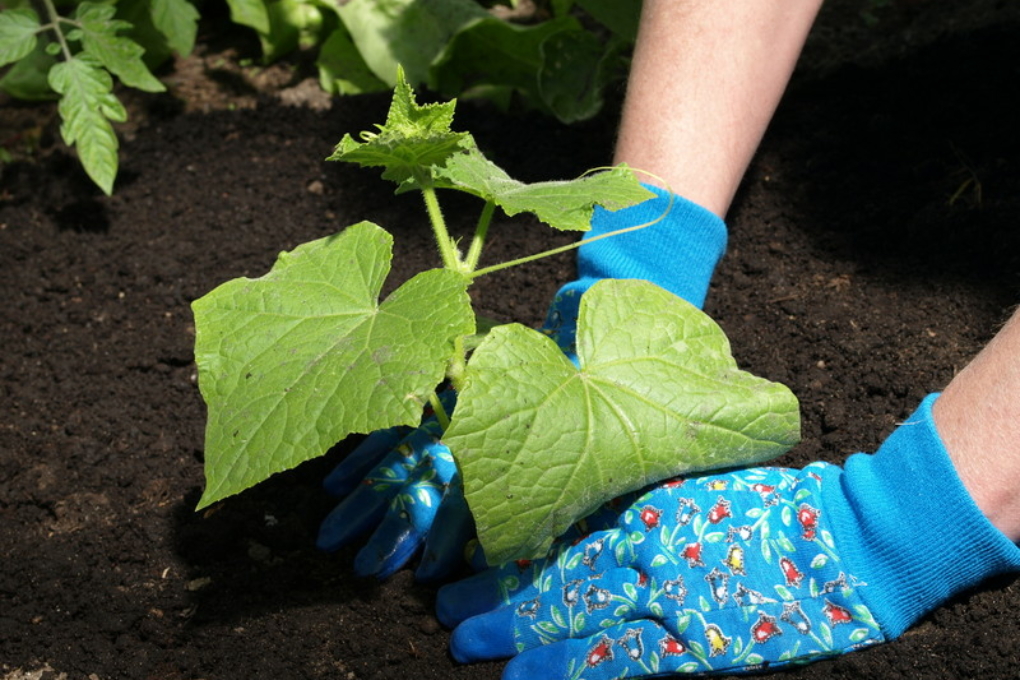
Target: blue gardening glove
{"x": 678, "y": 253}
{"x": 394, "y": 484}
{"x": 402, "y": 483}
{"x": 746, "y": 570}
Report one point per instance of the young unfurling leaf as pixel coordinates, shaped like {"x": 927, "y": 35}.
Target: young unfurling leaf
{"x": 414, "y": 139}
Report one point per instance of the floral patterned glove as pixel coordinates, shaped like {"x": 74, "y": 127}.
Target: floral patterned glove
{"x": 745, "y": 570}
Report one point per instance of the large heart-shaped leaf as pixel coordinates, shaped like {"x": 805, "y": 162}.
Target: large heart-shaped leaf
{"x": 541, "y": 442}
{"x": 293, "y": 362}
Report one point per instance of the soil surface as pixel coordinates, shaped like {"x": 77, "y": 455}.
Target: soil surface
{"x": 873, "y": 250}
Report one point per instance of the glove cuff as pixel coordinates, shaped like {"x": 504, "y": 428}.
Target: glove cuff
{"x": 911, "y": 530}
{"x": 678, "y": 253}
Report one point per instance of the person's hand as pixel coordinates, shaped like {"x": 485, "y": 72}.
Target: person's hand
{"x": 397, "y": 483}
{"x": 740, "y": 571}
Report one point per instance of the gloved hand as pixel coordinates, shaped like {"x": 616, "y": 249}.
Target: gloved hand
{"x": 741, "y": 571}
{"x": 406, "y": 482}
{"x": 399, "y": 482}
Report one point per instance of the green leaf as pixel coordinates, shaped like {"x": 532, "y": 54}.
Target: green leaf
{"x": 565, "y": 205}
{"x": 412, "y": 139}
{"x": 541, "y": 443}
{"x": 121, "y": 56}
{"x": 620, "y": 17}
{"x": 251, "y": 13}
{"x": 177, "y": 20}
{"x": 410, "y": 33}
{"x": 342, "y": 69}
{"x": 490, "y": 51}
{"x": 293, "y": 362}
{"x": 27, "y": 79}
{"x": 87, "y": 105}
{"x": 18, "y": 28}
{"x": 575, "y": 72}
{"x": 293, "y": 24}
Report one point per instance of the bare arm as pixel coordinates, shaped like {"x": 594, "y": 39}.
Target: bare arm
{"x": 706, "y": 78}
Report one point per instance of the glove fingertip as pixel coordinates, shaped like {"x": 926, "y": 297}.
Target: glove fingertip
{"x": 549, "y": 661}
{"x": 389, "y": 549}
{"x": 484, "y": 637}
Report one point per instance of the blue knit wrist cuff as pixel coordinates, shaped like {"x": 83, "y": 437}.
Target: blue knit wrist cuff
{"x": 678, "y": 253}
{"x": 905, "y": 521}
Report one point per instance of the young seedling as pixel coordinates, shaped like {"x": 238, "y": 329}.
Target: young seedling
{"x": 293, "y": 362}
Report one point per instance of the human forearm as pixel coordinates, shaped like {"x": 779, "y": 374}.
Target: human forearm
{"x": 706, "y": 78}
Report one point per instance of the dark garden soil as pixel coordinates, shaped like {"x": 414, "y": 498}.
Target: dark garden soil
{"x": 873, "y": 250}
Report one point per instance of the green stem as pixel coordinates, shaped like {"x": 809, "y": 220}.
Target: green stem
{"x": 481, "y": 231}
{"x": 441, "y": 415}
{"x": 55, "y": 19}
{"x": 447, "y": 248}
{"x": 458, "y": 365}
{"x": 562, "y": 249}
{"x": 555, "y": 251}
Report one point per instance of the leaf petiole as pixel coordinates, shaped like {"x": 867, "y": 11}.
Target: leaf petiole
{"x": 54, "y": 25}
{"x": 570, "y": 246}
{"x": 441, "y": 415}
{"x": 447, "y": 248}
{"x": 481, "y": 231}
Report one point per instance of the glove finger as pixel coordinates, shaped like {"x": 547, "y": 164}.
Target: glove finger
{"x": 353, "y": 517}
{"x": 444, "y": 546}
{"x": 398, "y": 472}
{"x": 394, "y": 542}
{"x": 575, "y": 609}
{"x": 524, "y": 579}
{"x": 485, "y": 637}
{"x": 406, "y": 523}
{"x": 631, "y": 650}
{"x": 346, "y": 476}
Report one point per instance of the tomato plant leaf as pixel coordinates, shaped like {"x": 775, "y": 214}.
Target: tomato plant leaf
{"x": 18, "y": 28}
{"x": 413, "y": 139}
{"x": 177, "y": 20}
{"x": 293, "y": 362}
{"x": 565, "y": 205}
{"x": 541, "y": 443}
{"x": 27, "y": 79}
{"x": 87, "y": 105}
{"x": 121, "y": 56}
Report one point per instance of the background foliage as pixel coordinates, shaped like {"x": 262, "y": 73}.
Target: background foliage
{"x": 554, "y": 55}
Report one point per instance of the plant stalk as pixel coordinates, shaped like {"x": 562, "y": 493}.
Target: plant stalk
{"x": 458, "y": 365}
{"x": 554, "y": 251}
{"x": 447, "y": 248}
{"x": 441, "y": 415}
{"x": 562, "y": 249}
{"x": 55, "y": 18}
{"x": 481, "y": 231}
